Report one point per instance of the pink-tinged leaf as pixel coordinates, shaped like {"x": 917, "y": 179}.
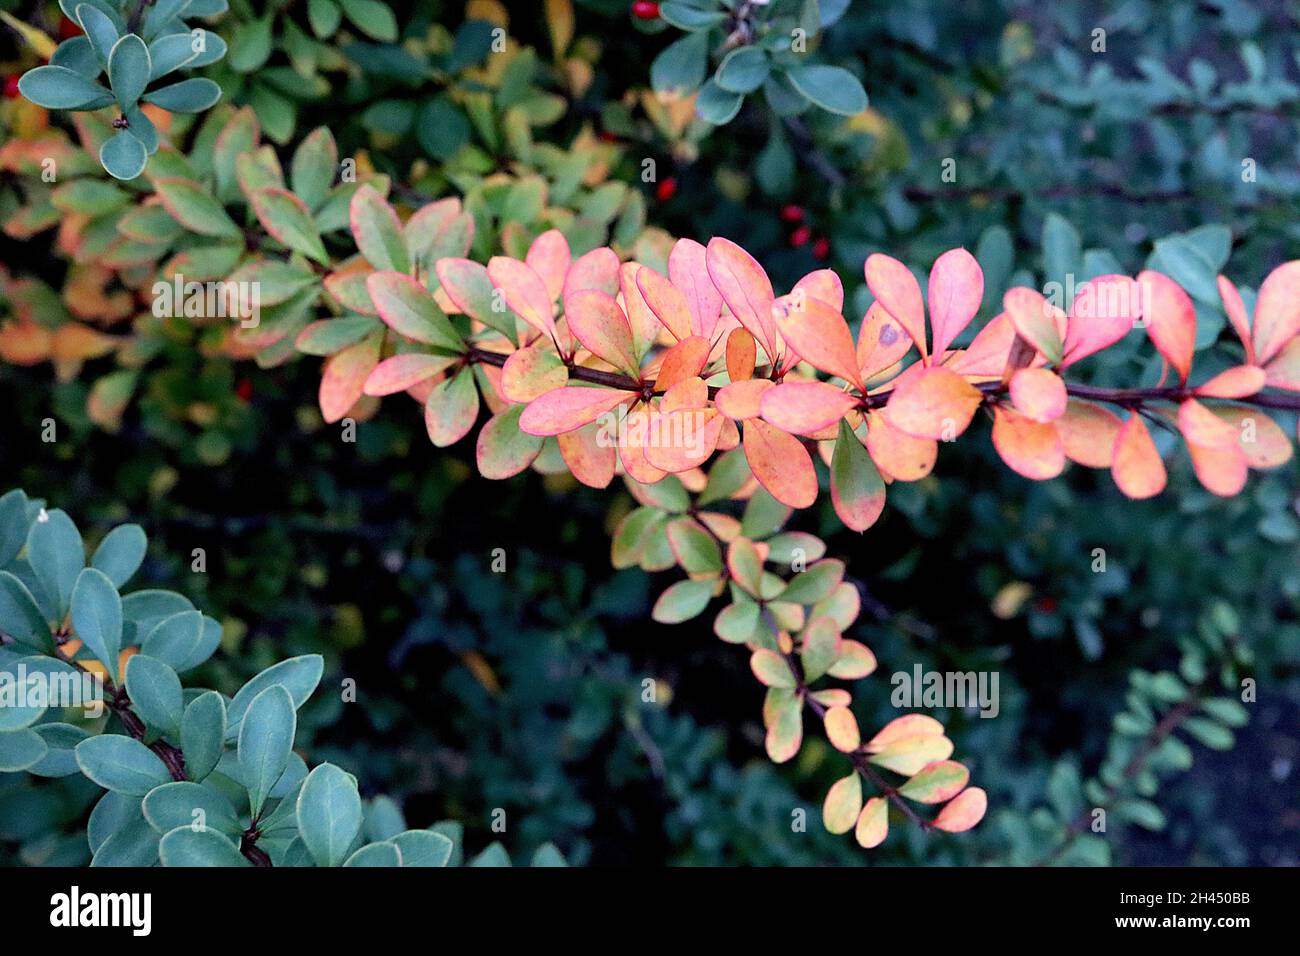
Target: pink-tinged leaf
{"x": 344, "y": 377}
{"x": 1103, "y": 312}
{"x": 804, "y": 408}
{"x": 908, "y": 755}
{"x": 633, "y": 440}
{"x": 643, "y": 322}
{"x": 780, "y": 463}
{"x": 1088, "y": 433}
{"x": 688, "y": 271}
{"x": 1236, "y": 311}
{"x": 400, "y": 372}
{"x": 1035, "y": 320}
{"x": 429, "y": 227}
{"x": 1277, "y": 311}
{"x": 682, "y": 601}
{"x": 742, "y": 353}
{"x": 903, "y": 728}
{"x": 963, "y": 811}
{"x": 936, "y": 403}
{"x": 1137, "y": 468}
{"x": 687, "y": 437}
{"x": 1284, "y": 368}
{"x": 451, "y": 409}
{"x": 549, "y": 257}
{"x": 843, "y": 804}
{"x": 1240, "y": 381}
{"x": 289, "y": 222}
{"x": 785, "y": 731}
{"x": 377, "y": 230}
{"x": 937, "y": 782}
{"x": 1262, "y": 440}
{"x": 503, "y": 450}
{"x": 824, "y": 284}
{"x": 1221, "y": 469}
{"x": 525, "y": 293}
{"x": 597, "y": 269}
{"x": 745, "y": 564}
{"x": 590, "y": 453}
{"x": 882, "y": 342}
{"x": 531, "y": 372}
{"x": 819, "y": 334}
{"x": 956, "y": 291}
{"x": 857, "y": 490}
{"x": 986, "y": 356}
{"x": 688, "y": 393}
{"x": 873, "y": 824}
{"x": 741, "y": 400}
{"x": 1039, "y": 394}
{"x": 1170, "y": 320}
{"x": 348, "y": 287}
{"x": 898, "y": 292}
{"x": 855, "y": 661}
{"x": 771, "y": 669}
{"x": 746, "y": 289}
{"x": 597, "y": 321}
{"x": 1201, "y": 426}
{"x": 470, "y": 289}
{"x": 684, "y": 360}
{"x": 1030, "y": 448}
{"x": 408, "y": 309}
{"x": 842, "y": 729}
{"x": 666, "y": 302}
{"x": 573, "y": 406}
{"x": 898, "y": 455}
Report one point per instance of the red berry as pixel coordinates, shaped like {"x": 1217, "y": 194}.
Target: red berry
{"x": 608, "y": 137}
{"x": 68, "y": 29}
{"x": 645, "y": 10}
{"x": 244, "y": 389}
{"x": 666, "y": 189}
{"x": 800, "y": 236}
{"x": 11, "y": 87}
{"x": 822, "y": 249}
{"x": 792, "y": 213}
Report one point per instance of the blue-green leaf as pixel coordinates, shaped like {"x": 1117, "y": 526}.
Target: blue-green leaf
{"x": 329, "y": 814}
{"x": 170, "y": 52}
{"x": 123, "y": 155}
{"x": 128, "y": 70}
{"x": 188, "y": 96}
{"x": 423, "y": 848}
{"x": 121, "y": 764}
{"x": 298, "y": 675}
{"x": 20, "y": 749}
{"x": 61, "y": 741}
{"x": 97, "y": 617}
{"x": 78, "y": 55}
{"x": 102, "y": 33}
{"x": 20, "y": 615}
{"x": 376, "y": 854}
{"x": 188, "y": 847}
{"x": 56, "y": 555}
{"x": 833, "y": 88}
{"x": 743, "y": 70}
{"x": 120, "y": 553}
{"x": 203, "y": 734}
{"x": 183, "y": 803}
{"x": 265, "y": 740}
{"x": 155, "y": 690}
{"x": 715, "y": 105}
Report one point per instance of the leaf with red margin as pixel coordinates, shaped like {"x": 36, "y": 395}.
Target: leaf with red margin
{"x": 641, "y": 319}
{"x": 529, "y": 373}
{"x": 1038, "y": 394}
{"x": 843, "y": 804}
{"x": 936, "y": 782}
{"x": 901, "y": 728}
{"x": 597, "y": 269}
{"x": 549, "y": 257}
{"x": 1035, "y": 320}
{"x": 1103, "y": 313}
{"x": 1277, "y": 311}
{"x": 1240, "y": 381}
{"x": 857, "y": 490}
{"x": 1088, "y": 433}
{"x": 882, "y": 342}
{"x": 597, "y": 321}
{"x": 873, "y": 824}
{"x": 1236, "y": 311}
{"x": 819, "y": 334}
{"x": 1170, "y": 320}
{"x": 1283, "y": 369}
{"x": 936, "y": 403}
{"x": 780, "y": 463}
{"x": 823, "y": 284}
{"x": 855, "y": 661}
{"x": 470, "y": 289}
{"x": 1136, "y": 465}
{"x": 842, "y": 729}
{"x": 666, "y": 302}
{"x": 956, "y": 291}
{"x": 898, "y": 292}
{"x": 400, "y": 372}
{"x": 451, "y": 409}
{"x": 591, "y": 456}
{"x": 409, "y": 310}
{"x": 804, "y": 408}
{"x": 377, "y": 230}
{"x": 684, "y": 360}
{"x": 570, "y": 407}
{"x": 344, "y": 378}
{"x": 963, "y": 811}
{"x": 898, "y": 455}
{"x": 1262, "y": 440}
{"x": 687, "y": 437}
{"x": 986, "y": 356}
{"x": 743, "y": 399}
{"x": 1030, "y": 448}
{"x": 525, "y": 293}
{"x": 746, "y": 289}
{"x": 785, "y": 731}
{"x": 502, "y": 449}
{"x": 288, "y": 220}
{"x": 688, "y": 271}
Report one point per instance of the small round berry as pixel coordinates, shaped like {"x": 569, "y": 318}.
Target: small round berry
{"x": 666, "y": 189}
{"x": 645, "y": 10}
{"x": 822, "y": 249}
{"x": 792, "y": 213}
{"x": 11, "y": 87}
{"x": 244, "y": 389}
{"x": 800, "y": 236}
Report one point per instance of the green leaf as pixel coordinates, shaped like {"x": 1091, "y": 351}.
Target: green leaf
{"x": 376, "y": 854}
{"x": 56, "y": 555}
{"x": 333, "y": 335}
{"x": 101, "y": 31}
{"x": 121, "y": 764}
{"x": 743, "y": 70}
{"x": 494, "y": 855}
{"x": 187, "y": 804}
{"x": 857, "y": 490}
{"x": 683, "y": 601}
{"x": 680, "y": 67}
{"x": 195, "y": 208}
{"x": 188, "y": 96}
{"x": 265, "y": 740}
{"x": 134, "y": 844}
{"x": 20, "y": 615}
{"x": 814, "y": 584}
{"x": 124, "y": 155}
{"x": 128, "y": 70}
{"x": 120, "y": 553}
{"x": 155, "y": 690}
{"x": 1062, "y": 251}
{"x": 715, "y": 105}
{"x": 832, "y": 88}
{"x": 61, "y": 741}
{"x": 176, "y": 640}
{"x": 442, "y": 128}
{"x": 372, "y": 18}
{"x": 1213, "y": 735}
{"x": 820, "y": 649}
{"x": 324, "y": 17}
{"x": 312, "y": 169}
{"x": 97, "y": 617}
{"x": 250, "y": 46}
{"x": 378, "y": 231}
{"x": 59, "y": 87}
{"x": 203, "y": 734}
{"x": 20, "y": 749}
{"x": 289, "y": 221}
{"x": 423, "y": 848}
{"x": 187, "y": 847}
{"x": 685, "y": 16}
{"x": 170, "y": 52}
{"x": 408, "y": 309}
{"x": 298, "y": 675}
{"x": 329, "y": 814}
{"x": 695, "y": 549}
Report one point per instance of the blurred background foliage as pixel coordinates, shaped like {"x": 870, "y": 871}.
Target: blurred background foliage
{"x": 526, "y": 690}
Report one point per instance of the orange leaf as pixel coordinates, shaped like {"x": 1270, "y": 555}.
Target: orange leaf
{"x": 343, "y": 380}
{"x": 641, "y": 319}
{"x": 597, "y": 321}
{"x": 1088, "y": 433}
{"x": 842, "y": 729}
{"x": 525, "y": 292}
{"x": 570, "y": 407}
{"x": 1236, "y": 310}
{"x": 986, "y": 356}
{"x": 684, "y": 360}
{"x": 1171, "y": 320}
{"x": 819, "y": 334}
{"x": 1277, "y": 311}
{"x": 1029, "y": 447}
{"x": 684, "y": 437}
{"x": 666, "y": 302}
{"x": 633, "y": 439}
{"x": 1240, "y": 381}
{"x": 956, "y": 291}
{"x": 780, "y": 463}
{"x": 1039, "y": 394}
{"x": 1201, "y": 426}
{"x": 1035, "y": 320}
{"x": 589, "y": 454}
{"x": 803, "y": 408}
{"x": 873, "y": 824}
{"x": 746, "y": 289}
{"x": 936, "y": 403}
{"x": 882, "y": 341}
{"x": 1262, "y": 440}
{"x": 1103, "y": 312}
{"x": 742, "y": 352}
{"x": 549, "y": 257}
{"x": 898, "y": 292}
{"x": 1136, "y": 465}
{"x": 741, "y": 400}
{"x": 688, "y": 270}
{"x": 1221, "y": 469}
{"x": 897, "y": 454}
{"x": 963, "y": 811}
